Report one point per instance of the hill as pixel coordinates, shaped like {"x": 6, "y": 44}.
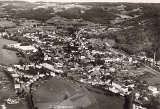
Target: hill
{"x": 143, "y": 37}
{"x": 98, "y": 15}
{"x": 94, "y": 14}
{"x": 71, "y": 13}
{"x": 13, "y": 1}
{"x": 58, "y": 91}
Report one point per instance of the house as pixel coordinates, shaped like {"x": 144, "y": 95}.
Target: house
{"x": 142, "y": 55}
{"x": 135, "y": 106}
{"x": 52, "y": 74}
{"x": 112, "y": 69}
{"x": 52, "y": 68}
{"x": 15, "y": 75}
{"x": 10, "y": 69}
{"x": 48, "y": 66}
{"x": 116, "y": 88}
{"x": 24, "y": 48}
{"x": 150, "y": 60}
{"x": 158, "y": 63}
{"x": 27, "y": 48}
{"x": 153, "y": 89}
{"x": 17, "y": 86}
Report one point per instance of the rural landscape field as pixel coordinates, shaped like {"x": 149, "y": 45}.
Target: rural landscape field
{"x": 79, "y": 55}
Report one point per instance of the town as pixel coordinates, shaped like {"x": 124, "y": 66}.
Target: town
{"x": 69, "y": 50}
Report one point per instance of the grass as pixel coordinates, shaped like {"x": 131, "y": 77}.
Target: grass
{"x": 154, "y": 79}
{"x": 5, "y": 23}
{"x": 12, "y": 30}
{"x": 15, "y": 106}
{"x": 108, "y": 102}
{"x": 54, "y": 90}
{"x": 10, "y": 57}
{"x": 82, "y": 99}
{"x": 23, "y": 25}
{"x": 105, "y": 101}
{"x": 45, "y": 28}
{"x": 7, "y": 56}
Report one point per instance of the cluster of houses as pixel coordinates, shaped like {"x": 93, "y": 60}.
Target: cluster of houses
{"x": 24, "y": 49}
{"x": 76, "y": 58}
{"x": 23, "y": 80}
{"x": 4, "y": 82}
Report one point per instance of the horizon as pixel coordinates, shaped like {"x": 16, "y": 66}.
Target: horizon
{"x": 111, "y": 1}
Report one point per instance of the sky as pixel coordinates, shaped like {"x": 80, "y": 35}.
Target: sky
{"x": 133, "y": 1}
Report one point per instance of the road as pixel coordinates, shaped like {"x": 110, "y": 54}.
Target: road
{"x": 156, "y": 72}
{"x": 3, "y": 66}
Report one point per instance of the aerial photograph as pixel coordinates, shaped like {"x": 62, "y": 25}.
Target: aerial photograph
{"x": 79, "y": 54}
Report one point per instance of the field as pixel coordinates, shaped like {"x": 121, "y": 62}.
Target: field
{"x": 45, "y": 28}
{"x": 57, "y": 90}
{"x": 108, "y": 102}
{"x": 153, "y": 76}
{"x": 5, "y": 23}
{"x": 105, "y": 99}
{"x": 23, "y": 25}
{"x": 57, "y": 87}
{"x": 154, "y": 79}
{"x": 12, "y": 30}
{"x": 7, "y": 56}
{"x": 54, "y": 91}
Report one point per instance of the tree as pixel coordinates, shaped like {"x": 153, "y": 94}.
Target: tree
{"x": 42, "y": 71}
{"x": 71, "y": 13}
{"x": 66, "y": 97}
{"x": 98, "y": 15}
{"x": 21, "y": 62}
{"x": 156, "y": 28}
{"x": 39, "y": 14}
{"x": 128, "y": 101}
{"x": 154, "y": 103}
{"x": 29, "y": 101}
{"x": 2, "y": 30}
{"x": 19, "y": 41}
{"x": 38, "y": 57}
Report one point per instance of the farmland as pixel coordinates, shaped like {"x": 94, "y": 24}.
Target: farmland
{"x": 5, "y": 23}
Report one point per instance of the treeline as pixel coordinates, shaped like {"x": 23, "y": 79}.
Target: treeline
{"x": 39, "y": 14}
{"x": 27, "y": 11}
{"x": 10, "y": 1}
{"x": 98, "y": 15}
{"x": 136, "y": 40}
{"x": 95, "y": 15}
{"x": 145, "y": 36}
{"x": 71, "y": 13}
{"x": 104, "y": 4}
{"x": 1, "y": 3}
{"x": 11, "y": 7}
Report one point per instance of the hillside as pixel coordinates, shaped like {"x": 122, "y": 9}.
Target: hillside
{"x": 13, "y": 1}
{"x": 39, "y": 14}
{"x": 137, "y": 24}
{"x": 94, "y": 14}
{"x": 98, "y": 15}
{"x": 71, "y": 13}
